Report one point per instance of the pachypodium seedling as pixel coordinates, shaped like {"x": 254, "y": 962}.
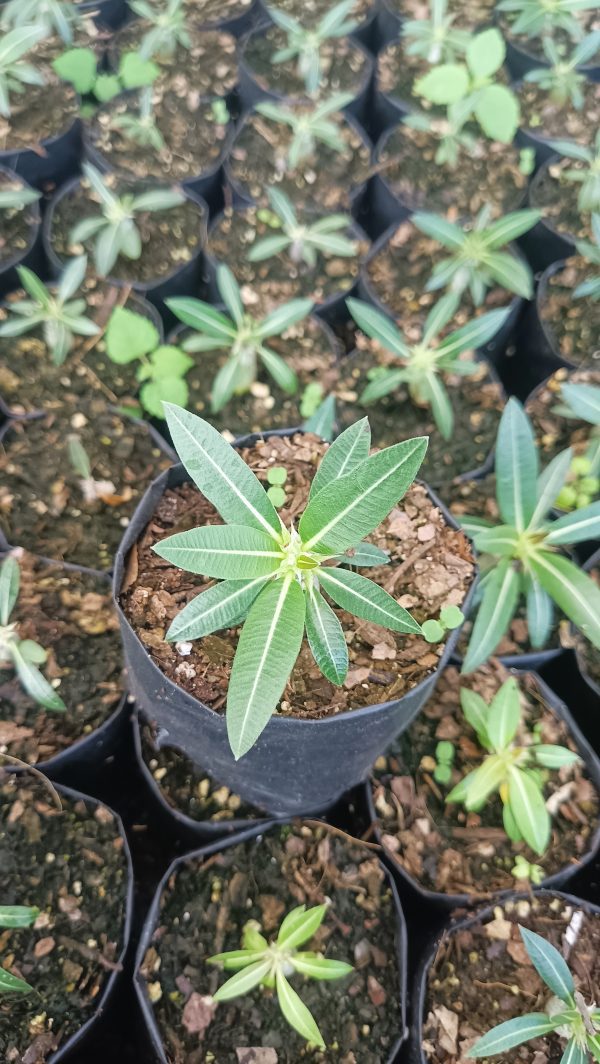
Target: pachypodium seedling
{"x": 450, "y": 617}
{"x": 522, "y": 558}
{"x": 14, "y": 916}
{"x": 515, "y": 767}
{"x": 526, "y": 870}
{"x": 58, "y": 17}
{"x": 60, "y": 316}
{"x": 444, "y": 761}
{"x": 544, "y": 18}
{"x": 304, "y": 241}
{"x": 273, "y": 577}
{"x": 587, "y": 175}
{"x": 454, "y": 139}
{"x": 424, "y": 364}
{"x": 310, "y": 126}
{"x": 567, "y": 1012}
{"x": 114, "y": 230}
{"x": 162, "y": 368}
{"x": 478, "y": 259}
{"x": 563, "y": 79}
{"x": 306, "y": 45}
{"x": 15, "y": 72}
{"x": 168, "y": 27}
{"x": 269, "y": 964}
{"x": 241, "y": 335}
{"x": 435, "y": 38}
{"x": 22, "y": 655}
{"x": 474, "y": 88}
{"x": 141, "y": 128}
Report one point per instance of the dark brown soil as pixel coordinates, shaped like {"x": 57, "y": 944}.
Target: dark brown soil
{"x": 211, "y": 57}
{"x": 311, "y": 11}
{"x": 42, "y": 504}
{"x": 544, "y": 117}
{"x": 344, "y": 66}
{"x": 279, "y": 279}
{"x": 488, "y": 175}
{"x": 587, "y": 654}
{"x": 553, "y": 432}
{"x": 324, "y": 182}
{"x": 359, "y": 1016}
{"x": 431, "y": 565}
{"x": 17, "y": 224}
{"x": 468, "y": 15}
{"x": 41, "y": 112}
{"x": 477, "y": 402}
{"x": 70, "y": 614}
{"x": 170, "y": 238}
{"x": 306, "y": 347}
{"x": 574, "y": 324}
{"x": 588, "y": 20}
{"x": 189, "y": 790}
{"x": 557, "y": 198}
{"x": 442, "y": 846}
{"x": 482, "y": 976}
{"x": 193, "y": 142}
{"x": 30, "y": 381}
{"x": 71, "y": 865}
{"x": 399, "y": 271}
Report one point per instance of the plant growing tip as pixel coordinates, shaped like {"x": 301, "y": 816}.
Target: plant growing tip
{"x": 22, "y": 655}
{"x": 304, "y": 241}
{"x": 275, "y": 578}
{"x": 305, "y": 44}
{"x": 319, "y": 124}
{"x": 260, "y": 963}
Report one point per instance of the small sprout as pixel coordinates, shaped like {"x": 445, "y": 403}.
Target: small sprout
{"x": 516, "y": 771}
{"x": 424, "y": 364}
{"x": 241, "y": 335}
{"x": 22, "y": 655}
{"x": 527, "y": 161}
{"x": 522, "y": 557}
{"x": 51, "y": 16}
{"x": 220, "y": 112}
{"x": 162, "y": 368}
{"x": 436, "y": 38}
{"x": 478, "y": 260}
{"x": 92, "y": 490}
{"x": 274, "y": 578}
{"x": 263, "y": 963}
{"x": 322, "y": 420}
{"x": 80, "y": 68}
{"x": 277, "y": 477}
{"x": 310, "y": 127}
{"x": 306, "y": 44}
{"x": 451, "y": 617}
{"x": 305, "y": 242}
{"x": 60, "y": 316}
{"x": 168, "y": 27}
{"x": 587, "y": 174}
{"x": 141, "y": 128}
{"x": 15, "y": 72}
{"x": 524, "y": 869}
{"x": 579, "y": 1022}
{"x": 444, "y": 760}
{"x": 543, "y": 18}
{"x": 12, "y": 916}
{"x": 563, "y": 80}
{"x": 114, "y": 230}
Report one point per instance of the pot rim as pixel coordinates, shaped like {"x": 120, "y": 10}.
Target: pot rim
{"x": 34, "y": 229}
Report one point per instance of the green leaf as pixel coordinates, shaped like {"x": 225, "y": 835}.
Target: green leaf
{"x": 296, "y": 1012}
{"x": 573, "y": 591}
{"x": 475, "y": 711}
{"x": 136, "y": 72}
{"x": 168, "y": 362}
{"x": 10, "y": 984}
{"x": 378, "y": 326}
{"x": 574, "y": 1053}
{"x": 158, "y": 199}
{"x": 108, "y": 248}
{"x": 236, "y": 959}
{"x": 326, "y": 638}
{"x": 500, "y": 541}
{"x": 227, "y": 552}
{"x": 220, "y": 607}
{"x": 494, "y": 615}
{"x": 226, "y": 382}
{"x": 366, "y": 555}
{"x": 444, "y": 84}
{"x": 229, "y": 290}
{"x": 346, "y": 452}
{"x": 504, "y": 715}
{"x": 528, "y": 808}
{"x": 17, "y": 915}
{"x": 549, "y": 964}
{"x": 441, "y": 406}
{"x": 540, "y": 614}
{"x": 550, "y": 481}
{"x": 349, "y": 509}
{"x": 79, "y": 67}
{"x": 512, "y": 1033}
{"x": 32, "y": 651}
{"x": 438, "y": 228}
{"x": 322, "y": 422}
{"x": 106, "y": 87}
{"x": 36, "y": 685}
{"x": 283, "y": 375}
{"x": 219, "y": 472}
{"x": 554, "y": 757}
{"x": 584, "y": 400}
{"x": 10, "y": 579}
{"x": 498, "y": 112}
{"x": 575, "y": 527}
{"x": 485, "y": 780}
{"x": 510, "y": 226}
{"x": 243, "y": 981}
{"x": 363, "y": 598}
{"x": 201, "y": 316}
{"x": 283, "y": 317}
{"x": 266, "y": 654}
{"x": 316, "y": 967}
{"x": 300, "y": 925}
{"x": 485, "y": 53}
{"x": 516, "y": 466}
{"x": 129, "y": 336}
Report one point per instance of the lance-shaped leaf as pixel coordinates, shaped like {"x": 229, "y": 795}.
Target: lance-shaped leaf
{"x": 326, "y": 638}
{"x": 363, "y": 598}
{"x": 316, "y": 967}
{"x": 10, "y": 579}
{"x": 300, "y": 925}
{"x": 494, "y": 615}
{"x": 222, "y": 606}
{"x": 584, "y": 400}
{"x": 229, "y": 290}
{"x": 11, "y": 984}
{"x": 346, "y": 452}
{"x": 512, "y": 1033}
{"x": 574, "y": 1053}
{"x": 528, "y": 808}
{"x": 554, "y": 757}
{"x": 485, "y": 780}
{"x": 501, "y": 540}
{"x": 475, "y": 711}
{"x": 573, "y": 591}
{"x": 204, "y": 317}
{"x": 17, "y": 915}
{"x": 366, "y": 555}
{"x": 378, "y": 327}
{"x": 549, "y": 484}
{"x": 576, "y": 527}
{"x": 540, "y": 614}
{"x": 227, "y": 552}
{"x": 236, "y": 959}
{"x": 36, "y": 685}
{"x": 296, "y": 1012}
{"x": 283, "y": 317}
{"x": 243, "y": 981}
{"x": 504, "y": 715}
{"x": 267, "y": 651}
{"x": 516, "y": 467}
{"x": 549, "y": 964}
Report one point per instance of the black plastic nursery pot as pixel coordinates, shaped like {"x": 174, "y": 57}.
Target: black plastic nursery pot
{"x": 365, "y": 13}
{"x": 522, "y": 908}
{"x": 297, "y": 766}
{"x": 48, "y": 164}
{"x": 213, "y": 859}
{"x": 520, "y": 61}
{"x": 544, "y": 353}
{"x": 445, "y": 902}
{"x": 544, "y": 245}
{"x": 31, "y": 254}
{"x": 592, "y": 681}
{"x": 44, "y": 1043}
{"x": 109, "y": 14}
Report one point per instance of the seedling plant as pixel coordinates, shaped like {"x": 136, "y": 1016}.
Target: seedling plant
{"x": 304, "y": 242}
{"x": 22, "y": 655}
{"x": 263, "y": 963}
{"x": 168, "y": 28}
{"x": 14, "y": 916}
{"x": 310, "y": 126}
{"x": 272, "y": 577}
{"x": 17, "y": 198}
{"x": 544, "y": 18}
{"x": 587, "y": 175}
{"x": 562, "y": 79}
{"x": 435, "y": 39}
{"x": 16, "y": 73}
{"x": 306, "y": 45}
{"x": 80, "y": 67}
{"x": 161, "y": 371}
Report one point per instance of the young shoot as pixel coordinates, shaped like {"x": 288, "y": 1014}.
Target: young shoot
{"x": 521, "y": 558}
{"x": 564, "y": 82}
{"x": 544, "y": 18}
{"x": 61, "y": 316}
{"x": 586, "y": 174}
{"x": 453, "y": 139}
{"x": 241, "y": 335}
{"x": 474, "y": 88}
{"x": 450, "y": 617}
{"x": 275, "y": 578}
{"x": 304, "y": 242}
{"x": 423, "y": 365}
{"x": 22, "y": 655}
{"x": 310, "y": 126}
{"x": 161, "y": 368}
{"x": 305, "y": 45}
{"x": 515, "y": 768}
{"x": 478, "y": 259}
{"x": 527, "y": 870}
{"x": 141, "y": 128}
{"x": 168, "y": 27}
{"x": 15, "y": 72}
{"x": 51, "y": 16}
{"x": 12, "y": 916}
{"x": 435, "y": 39}
{"x": 577, "y": 1022}
{"x": 444, "y": 760}
{"x": 81, "y": 68}
{"x": 269, "y": 964}
{"x": 114, "y": 230}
